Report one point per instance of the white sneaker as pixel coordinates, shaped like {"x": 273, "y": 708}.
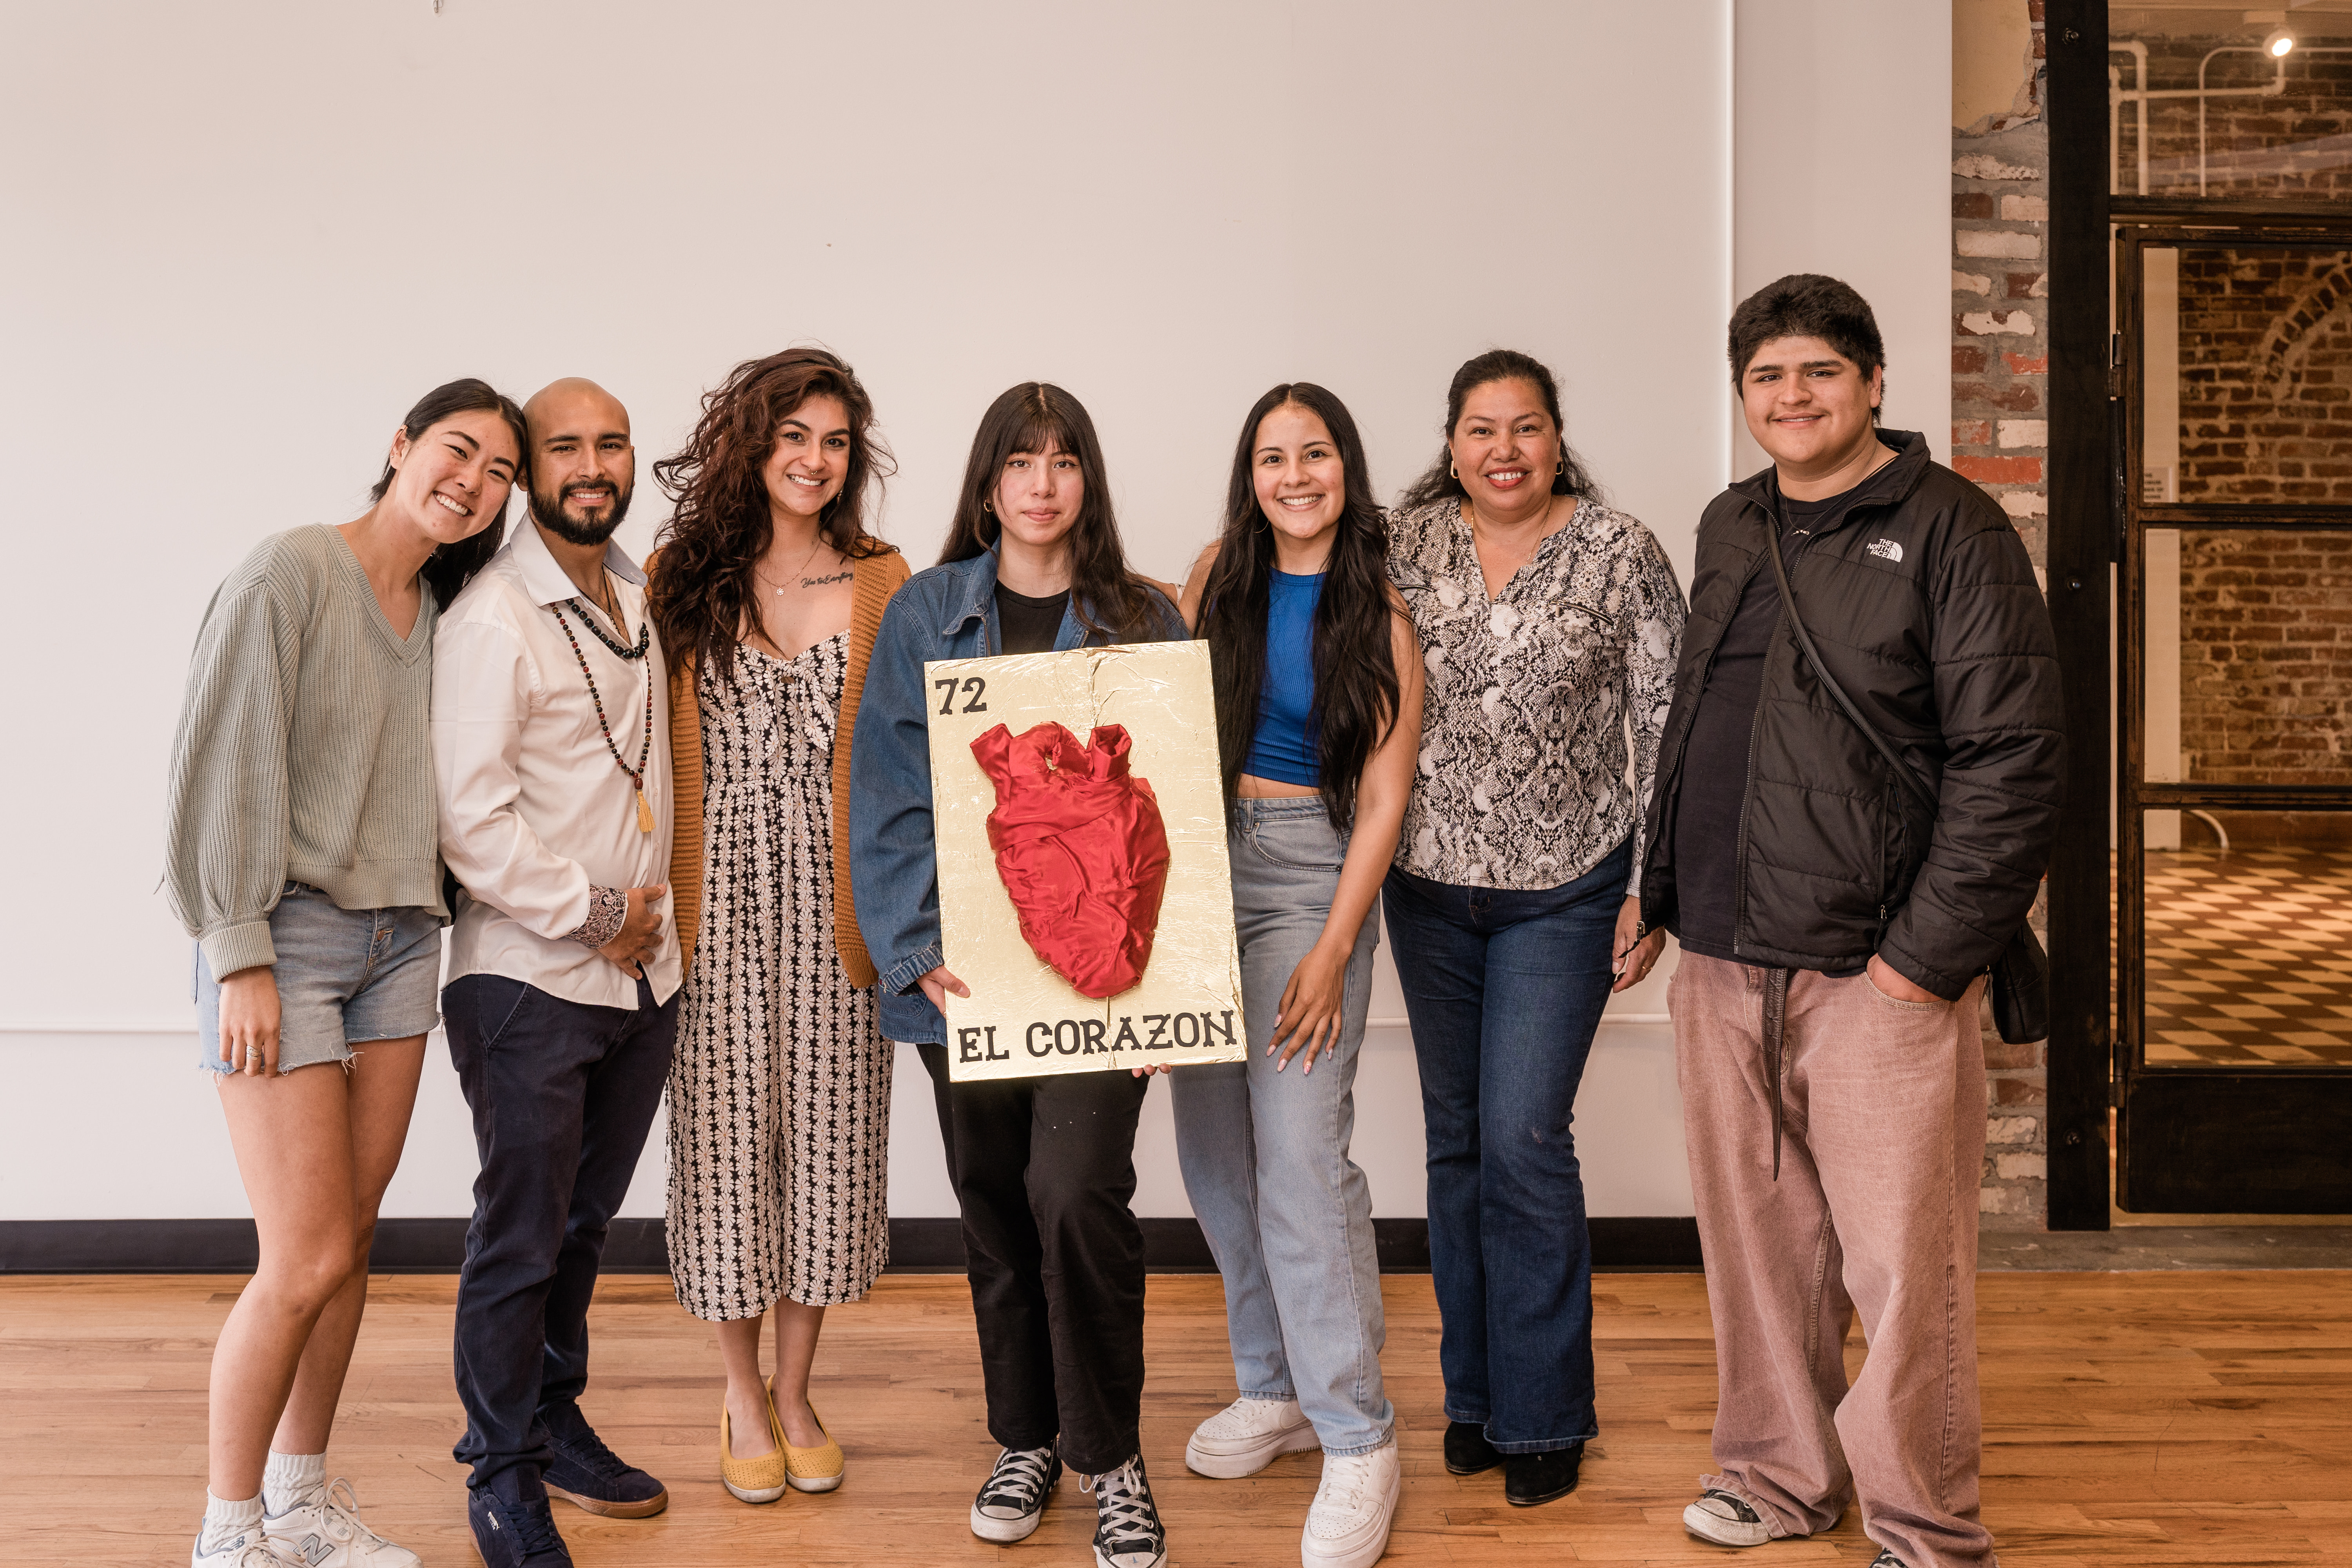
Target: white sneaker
{"x": 246, "y": 1549}
{"x": 1348, "y": 1527}
{"x": 324, "y": 1530}
{"x": 1724, "y": 1519}
{"x": 1246, "y": 1436}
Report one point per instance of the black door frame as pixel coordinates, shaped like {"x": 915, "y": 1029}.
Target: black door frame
{"x": 2081, "y": 548}
{"x": 2202, "y": 1118}
{"x": 2204, "y": 1139}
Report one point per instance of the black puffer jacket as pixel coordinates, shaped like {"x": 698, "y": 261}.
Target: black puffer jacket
{"x": 1924, "y": 607}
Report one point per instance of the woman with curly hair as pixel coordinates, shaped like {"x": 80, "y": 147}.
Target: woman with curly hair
{"x": 770, "y": 589}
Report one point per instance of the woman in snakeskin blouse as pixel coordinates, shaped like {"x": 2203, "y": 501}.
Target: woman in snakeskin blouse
{"x": 1549, "y": 625}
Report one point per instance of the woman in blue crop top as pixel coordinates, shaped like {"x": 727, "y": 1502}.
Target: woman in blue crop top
{"x": 1319, "y": 683}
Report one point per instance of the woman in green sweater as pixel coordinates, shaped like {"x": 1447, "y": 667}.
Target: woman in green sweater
{"x": 303, "y": 858}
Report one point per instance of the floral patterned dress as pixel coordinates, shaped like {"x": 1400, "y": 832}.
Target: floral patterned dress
{"x": 780, "y": 1096}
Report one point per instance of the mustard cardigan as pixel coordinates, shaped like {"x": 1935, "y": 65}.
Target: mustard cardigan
{"x": 875, "y": 578}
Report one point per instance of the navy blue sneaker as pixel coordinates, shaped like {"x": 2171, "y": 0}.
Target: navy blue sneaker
{"x": 587, "y": 1474}
{"x": 517, "y": 1530}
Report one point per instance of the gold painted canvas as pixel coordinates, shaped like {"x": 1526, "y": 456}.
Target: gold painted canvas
{"x": 1023, "y": 1019}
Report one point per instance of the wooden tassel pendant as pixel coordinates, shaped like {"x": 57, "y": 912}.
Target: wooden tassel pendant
{"x": 644, "y": 814}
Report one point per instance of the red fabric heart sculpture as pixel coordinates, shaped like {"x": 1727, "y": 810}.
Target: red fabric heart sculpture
{"x": 1081, "y": 849}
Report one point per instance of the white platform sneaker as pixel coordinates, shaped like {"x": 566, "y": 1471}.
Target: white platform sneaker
{"x": 1348, "y": 1527}
{"x": 1246, "y": 1436}
{"x": 322, "y": 1529}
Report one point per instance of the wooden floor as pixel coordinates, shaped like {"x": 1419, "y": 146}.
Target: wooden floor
{"x": 2131, "y": 1419}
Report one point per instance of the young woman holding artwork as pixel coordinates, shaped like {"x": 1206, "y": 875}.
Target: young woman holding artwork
{"x": 1552, "y": 624}
{"x": 1318, "y": 713}
{"x": 304, "y": 858}
{"x": 770, "y": 589}
{"x": 1043, "y": 1167}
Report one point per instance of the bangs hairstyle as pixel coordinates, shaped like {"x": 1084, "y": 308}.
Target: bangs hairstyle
{"x": 1807, "y": 305}
{"x": 452, "y": 566}
{"x": 1355, "y": 667}
{"x": 1038, "y": 416}
{"x": 1571, "y": 479}
{"x": 701, "y": 593}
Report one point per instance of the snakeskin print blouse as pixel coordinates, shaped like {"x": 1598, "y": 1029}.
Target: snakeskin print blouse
{"x": 1522, "y": 782}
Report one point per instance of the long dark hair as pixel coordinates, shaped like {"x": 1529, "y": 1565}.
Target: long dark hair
{"x": 1355, "y": 667}
{"x": 701, "y": 594}
{"x": 1031, "y": 417}
{"x": 452, "y": 566}
{"x": 1498, "y": 365}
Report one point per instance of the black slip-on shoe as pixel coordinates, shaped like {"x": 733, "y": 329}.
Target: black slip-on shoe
{"x": 1468, "y": 1452}
{"x": 1532, "y": 1478}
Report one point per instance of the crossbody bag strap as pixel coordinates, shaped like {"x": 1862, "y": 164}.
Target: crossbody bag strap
{"x": 1813, "y": 657}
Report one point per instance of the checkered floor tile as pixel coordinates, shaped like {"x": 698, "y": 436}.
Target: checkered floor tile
{"x": 2250, "y": 957}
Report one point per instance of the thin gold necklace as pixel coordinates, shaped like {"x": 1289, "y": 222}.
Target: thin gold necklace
{"x": 796, "y": 570}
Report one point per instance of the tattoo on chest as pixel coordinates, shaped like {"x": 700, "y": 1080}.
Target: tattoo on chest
{"x": 821, "y": 581}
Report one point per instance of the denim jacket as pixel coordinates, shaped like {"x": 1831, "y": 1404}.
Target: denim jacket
{"x": 945, "y": 612}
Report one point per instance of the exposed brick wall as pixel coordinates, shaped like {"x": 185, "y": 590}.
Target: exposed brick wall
{"x": 2266, "y": 657}
{"x": 2001, "y": 319}
{"x": 2000, "y": 437}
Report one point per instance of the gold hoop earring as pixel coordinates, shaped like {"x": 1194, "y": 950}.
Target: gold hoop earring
{"x": 1450, "y": 473}
{"x": 1560, "y": 470}
{"x": 988, "y": 505}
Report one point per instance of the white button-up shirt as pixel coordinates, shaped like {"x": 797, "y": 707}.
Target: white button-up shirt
{"x": 534, "y": 810}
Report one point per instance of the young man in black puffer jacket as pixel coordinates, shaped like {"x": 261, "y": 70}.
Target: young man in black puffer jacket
{"x": 1835, "y": 930}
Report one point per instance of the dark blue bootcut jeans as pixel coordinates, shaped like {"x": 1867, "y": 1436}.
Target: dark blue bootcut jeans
{"x": 1504, "y": 990}
{"x": 562, "y": 1095}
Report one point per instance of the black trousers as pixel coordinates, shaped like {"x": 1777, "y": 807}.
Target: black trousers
{"x": 1043, "y": 1168}
{"x": 563, "y": 1094}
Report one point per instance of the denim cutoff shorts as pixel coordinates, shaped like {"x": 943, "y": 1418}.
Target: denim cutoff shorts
{"x": 344, "y": 977}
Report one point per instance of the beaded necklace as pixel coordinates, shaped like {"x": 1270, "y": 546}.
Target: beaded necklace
{"x": 645, "y": 744}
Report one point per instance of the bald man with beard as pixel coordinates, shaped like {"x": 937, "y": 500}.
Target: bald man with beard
{"x": 551, "y": 750}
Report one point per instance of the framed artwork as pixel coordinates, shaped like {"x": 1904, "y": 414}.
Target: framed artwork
{"x": 1085, "y": 897}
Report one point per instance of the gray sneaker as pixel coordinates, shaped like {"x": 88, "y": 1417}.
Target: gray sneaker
{"x": 1725, "y": 1519}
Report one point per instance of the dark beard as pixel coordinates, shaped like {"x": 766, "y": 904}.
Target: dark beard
{"x": 547, "y": 511}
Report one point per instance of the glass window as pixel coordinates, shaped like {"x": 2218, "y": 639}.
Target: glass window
{"x": 2203, "y": 106}
{"x": 2247, "y": 374}
{"x": 2249, "y": 941}
{"x": 2249, "y": 657}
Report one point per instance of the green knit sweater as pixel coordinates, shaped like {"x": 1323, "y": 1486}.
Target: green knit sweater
{"x": 304, "y": 752}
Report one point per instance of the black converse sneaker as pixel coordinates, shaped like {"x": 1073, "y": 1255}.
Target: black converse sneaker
{"x": 1128, "y": 1531}
{"x": 1724, "y": 1519}
{"x": 1887, "y": 1559}
{"x": 1014, "y": 1499}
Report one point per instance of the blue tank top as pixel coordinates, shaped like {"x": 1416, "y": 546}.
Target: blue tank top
{"x": 1285, "y": 747}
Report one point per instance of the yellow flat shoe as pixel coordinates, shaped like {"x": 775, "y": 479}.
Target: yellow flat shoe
{"x": 760, "y": 1479}
{"x": 816, "y": 1469}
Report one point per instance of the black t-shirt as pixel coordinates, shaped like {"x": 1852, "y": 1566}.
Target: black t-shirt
{"x": 1029, "y": 626}
{"x": 1715, "y": 756}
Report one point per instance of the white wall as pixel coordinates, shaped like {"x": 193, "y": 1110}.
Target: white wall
{"x": 241, "y": 239}
{"x": 1841, "y": 163}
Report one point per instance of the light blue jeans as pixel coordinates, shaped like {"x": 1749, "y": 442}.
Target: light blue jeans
{"x": 1265, "y": 1154}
